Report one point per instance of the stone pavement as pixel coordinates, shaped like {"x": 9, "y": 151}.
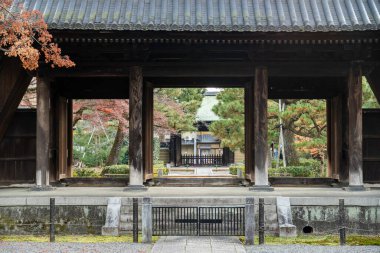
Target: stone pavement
{"x": 194, "y": 244}
{"x": 177, "y": 245}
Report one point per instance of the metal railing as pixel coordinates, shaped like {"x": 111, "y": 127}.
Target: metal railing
{"x": 202, "y": 160}
{"x": 200, "y": 221}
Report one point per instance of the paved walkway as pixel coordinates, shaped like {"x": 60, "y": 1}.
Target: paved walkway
{"x": 202, "y": 244}
{"x": 186, "y": 192}
{"x": 45, "y": 247}
{"x": 177, "y": 245}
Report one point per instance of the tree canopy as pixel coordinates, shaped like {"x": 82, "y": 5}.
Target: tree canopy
{"x": 24, "y": 34}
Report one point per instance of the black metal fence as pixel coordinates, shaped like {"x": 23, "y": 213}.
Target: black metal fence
{"x": 199, "y": 221}
{"x": 202, "y": 160}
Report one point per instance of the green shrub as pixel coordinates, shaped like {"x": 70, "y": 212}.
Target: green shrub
{"x": 280, "y": 172}
{"x": 299, "y": 171}
{"x": 234, "y": 168}
{"x": 313, "y": 165}
{"x": 116, "y": 169}
{"x": 158, "y": 166}
{"x": 85, "y": 172}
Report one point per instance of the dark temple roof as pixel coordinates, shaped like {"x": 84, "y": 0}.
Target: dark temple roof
{"x": 209, "y": 15}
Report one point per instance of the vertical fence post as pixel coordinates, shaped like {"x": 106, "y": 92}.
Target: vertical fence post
{"x": 147, "y": 228}
{"x": 261, "y": 221}
{"x": 135, "y": 208}
{"x": 52, "y": 219}
{"x": 342, "y": 219}
{"x": 249, "y": 221}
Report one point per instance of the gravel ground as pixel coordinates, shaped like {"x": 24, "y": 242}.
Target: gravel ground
{"x": 312, "y": 249}
{"x": 42, "y": 247}
{"x": 173, "y": 247}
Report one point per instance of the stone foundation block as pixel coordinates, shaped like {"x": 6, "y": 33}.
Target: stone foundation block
{"x": 110, "y": 231}
{"x": 288, "y": 230}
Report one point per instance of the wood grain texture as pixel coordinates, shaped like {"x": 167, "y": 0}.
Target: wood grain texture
{"x": 62, "y": 117}
{"x": 355, "y": 128}
{"x": 70, "y": 137}
{"x": 336, "y": 135}
{"x": 148, "y": 131}
{"x": 135, "y": 126}
{"x": 330, "y": 144}
{"x": 260, "y": 123}
{"x": 249, "y": 133}
{"x": 43, "y": 132}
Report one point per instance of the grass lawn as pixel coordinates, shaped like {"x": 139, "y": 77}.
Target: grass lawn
{"x": 71, "y": 238}
{"x": 328, "y": 240}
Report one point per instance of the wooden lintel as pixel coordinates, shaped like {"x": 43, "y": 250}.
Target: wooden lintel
{"x": 204, "y": 69}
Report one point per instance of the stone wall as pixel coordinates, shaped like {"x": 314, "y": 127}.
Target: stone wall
{"x": 87, "y": 215}
{"x": 35, "y": 219}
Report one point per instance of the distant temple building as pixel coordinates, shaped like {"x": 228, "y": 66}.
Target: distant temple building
{"x": 200, "y": 148}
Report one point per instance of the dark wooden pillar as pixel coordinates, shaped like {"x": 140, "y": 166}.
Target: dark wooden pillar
{"x": 330, "y": 136}
{"x": 148, "y": 131}
{"x": 260, "y": 123}
{"x": 43, "y": 141}
{"x": 62, "y": 116}
{"x": 70, "y": 137}
{"x": 355, "y": 129}
{"x": 249, "y": 143}
{"x": 135, "y": 127}
{"x": 336, "y": 135}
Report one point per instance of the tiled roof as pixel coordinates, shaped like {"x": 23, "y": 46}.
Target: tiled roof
{"x": 205, "y": 112}
{"x": 209, "y": 15}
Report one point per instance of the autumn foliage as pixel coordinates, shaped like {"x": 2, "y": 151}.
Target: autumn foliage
{"x": 24, "y": 34}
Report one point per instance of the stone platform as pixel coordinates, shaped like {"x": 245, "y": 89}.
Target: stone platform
{"x": 316, "y": 207}
{"x": 20, "y": 192}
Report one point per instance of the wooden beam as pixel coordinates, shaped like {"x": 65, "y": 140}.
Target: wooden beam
{"x": 355, "y": 128}
{"x": 43, "y": 132}
{"x": 206, "y": 69}
{"x": 14, "y": 81}
{"x": 260, "y": 123}
{"x": 135, "y": 127}
{"x": 148, "y": 131}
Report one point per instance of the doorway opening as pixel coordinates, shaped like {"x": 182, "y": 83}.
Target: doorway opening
{"x": 298, "y": 138}
{"x": 100, "y": 138}
{"x": 200, "y": 132}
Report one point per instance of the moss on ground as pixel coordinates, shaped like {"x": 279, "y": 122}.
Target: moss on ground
{"x": 71, "y": 238}
{"x": 328, "y": 240}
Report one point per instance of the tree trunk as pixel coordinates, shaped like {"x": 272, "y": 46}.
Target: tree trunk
{"x": 113, "y": 157}
{"x": 291, "y": 153}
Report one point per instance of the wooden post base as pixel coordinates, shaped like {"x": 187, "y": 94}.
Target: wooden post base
{"x": 356, "y": 188}
{"x": 261, "y": 188}
{"x": 42, "y": 188}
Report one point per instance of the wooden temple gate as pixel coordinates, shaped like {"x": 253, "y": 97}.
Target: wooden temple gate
{"x": 125, "y": 49}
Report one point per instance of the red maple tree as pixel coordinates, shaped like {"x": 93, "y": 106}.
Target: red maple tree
{"x": 24, "y": 34}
